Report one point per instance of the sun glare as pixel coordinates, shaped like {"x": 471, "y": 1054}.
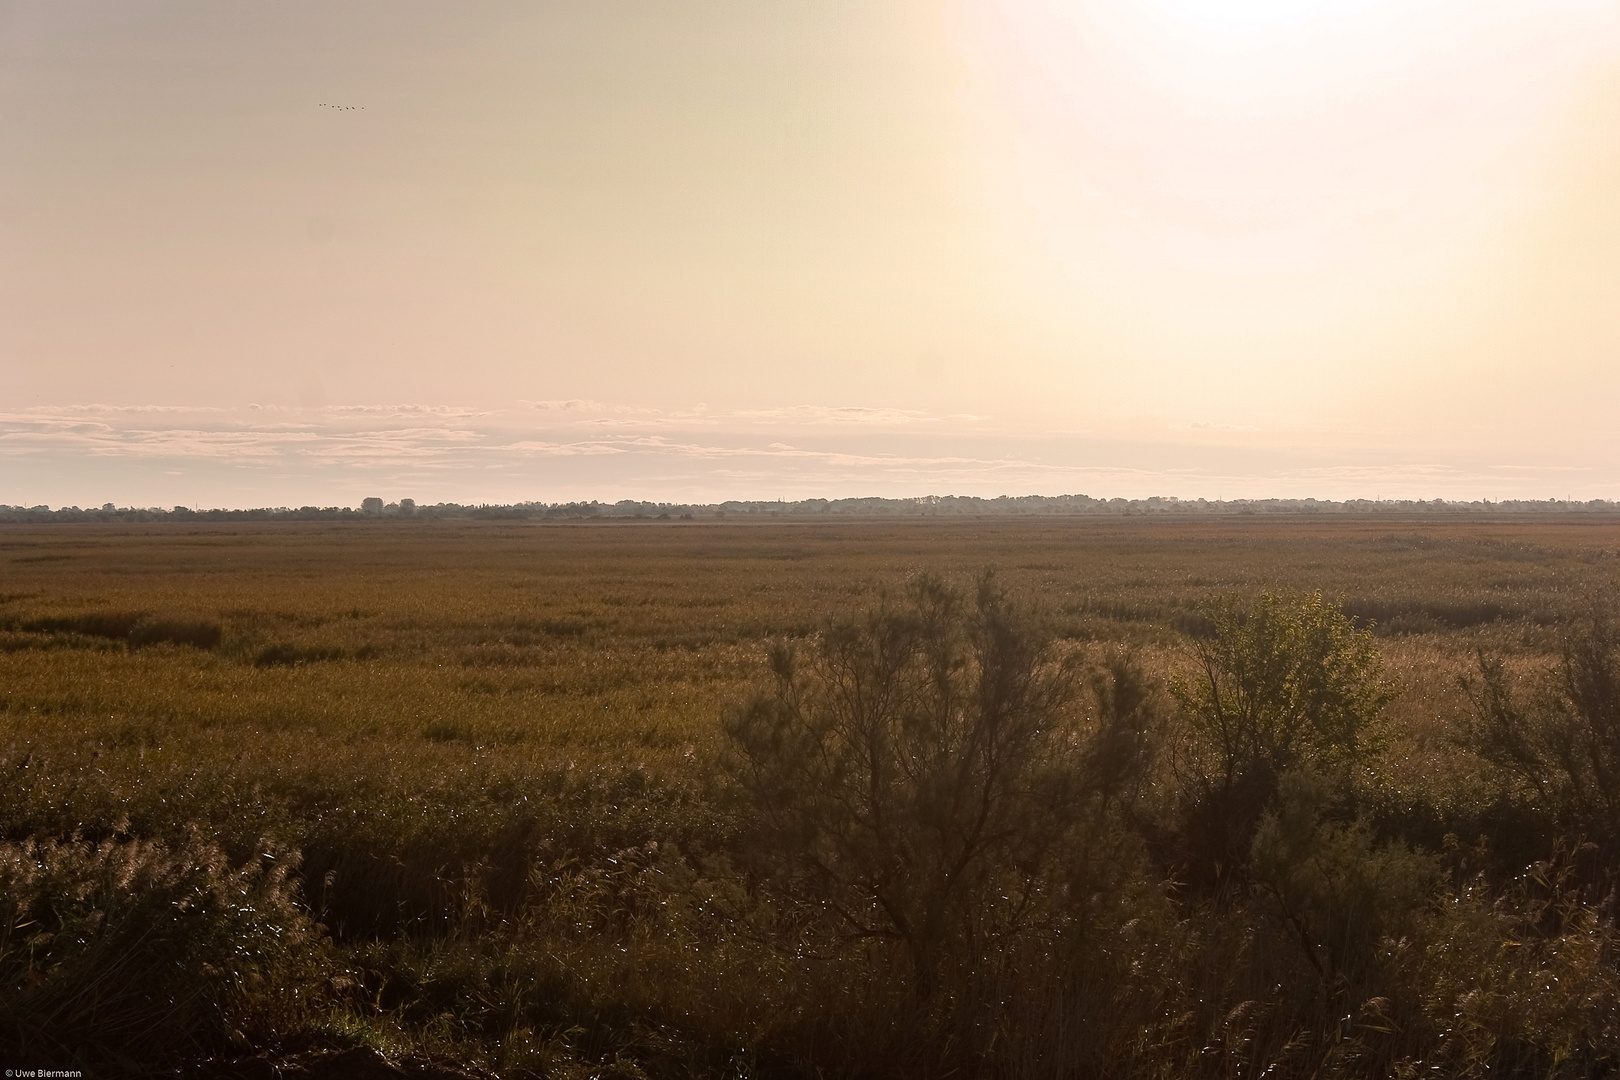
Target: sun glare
{"x": 1254, "y": 16}
{"x": 1116, "y": 217}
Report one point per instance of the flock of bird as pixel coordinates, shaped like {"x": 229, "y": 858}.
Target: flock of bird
{"x": 341, "y": 108}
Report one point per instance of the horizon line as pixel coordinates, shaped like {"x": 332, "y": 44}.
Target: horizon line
{"x": 1072, "y": 504}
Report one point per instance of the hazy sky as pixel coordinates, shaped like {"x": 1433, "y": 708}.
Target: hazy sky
{"x": 266, "y": 253}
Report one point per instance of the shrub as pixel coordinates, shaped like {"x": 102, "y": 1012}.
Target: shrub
{"x": 918, "y": 772}
{"x": 1518, "y": 983}
{"x": 1563, "y": 743}
{"x": 1279, "y": 684}
{"x": 1340, "y": 893}
{"x": 137, "y": 949}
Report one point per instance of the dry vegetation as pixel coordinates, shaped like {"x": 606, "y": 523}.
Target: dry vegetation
{"x": 461, "y": 792}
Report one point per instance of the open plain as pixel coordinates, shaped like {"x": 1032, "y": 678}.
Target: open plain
{"x": 455, "y": 792}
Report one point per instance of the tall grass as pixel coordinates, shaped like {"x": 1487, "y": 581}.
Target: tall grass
{"x": 482, "y": 761}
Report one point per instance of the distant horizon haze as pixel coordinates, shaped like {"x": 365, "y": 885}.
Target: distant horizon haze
{"x": 1076, "y": 505}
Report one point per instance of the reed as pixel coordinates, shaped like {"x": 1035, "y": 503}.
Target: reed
{"x": 452, "y": 791}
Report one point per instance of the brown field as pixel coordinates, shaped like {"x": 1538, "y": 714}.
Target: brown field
{"x": 470, "y": 769}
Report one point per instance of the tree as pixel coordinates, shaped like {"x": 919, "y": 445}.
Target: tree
{"x": 1279, "y": 683}
{"x": 917, "y": 772}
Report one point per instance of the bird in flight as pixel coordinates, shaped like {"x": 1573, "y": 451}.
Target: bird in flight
{"x": 340, "y": 108}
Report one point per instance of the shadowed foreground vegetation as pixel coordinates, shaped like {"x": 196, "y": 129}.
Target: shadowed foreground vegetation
{"x": 665, "y": 798}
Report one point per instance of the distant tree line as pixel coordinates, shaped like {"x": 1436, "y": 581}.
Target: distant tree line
{"x": 925, "y": 506}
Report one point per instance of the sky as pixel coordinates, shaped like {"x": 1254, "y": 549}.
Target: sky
{"x": 301, "y": 253}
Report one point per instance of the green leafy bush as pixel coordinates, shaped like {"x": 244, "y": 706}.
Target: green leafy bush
{"x": 1279, "y": 684}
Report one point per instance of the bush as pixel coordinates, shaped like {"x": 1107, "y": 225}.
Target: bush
{"x": 1279, "y": 684}
{"x": 1521, "y": 982}
{"x": 920, "y": 772}
{"x": 1340, "y": 893}
{"x": 1563, "y": 743}
{"x": 137, "y": 950}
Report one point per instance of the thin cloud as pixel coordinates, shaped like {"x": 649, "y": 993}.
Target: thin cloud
{"x": 117, "y": 410}
{"x": 128, "y": 433}
{"x": 587, "y": 405}
{"x": 843, "y": 414}
{"x": 531, "y": 448}
{"x": 606, "y": 414}
{"x": 401, "y": 410}
{"x": 590, "y": 449}
{"x": 1392, "y": 472}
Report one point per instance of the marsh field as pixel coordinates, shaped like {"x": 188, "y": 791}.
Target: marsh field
{"x": 479, "y": 798}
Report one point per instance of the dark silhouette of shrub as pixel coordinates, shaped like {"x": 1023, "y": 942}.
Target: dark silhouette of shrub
{"x": 137, "y": 949}
{"x": 1561, "y": 741}
{"x": 1339, "y": 891}
{"x": 919, "y": 773}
